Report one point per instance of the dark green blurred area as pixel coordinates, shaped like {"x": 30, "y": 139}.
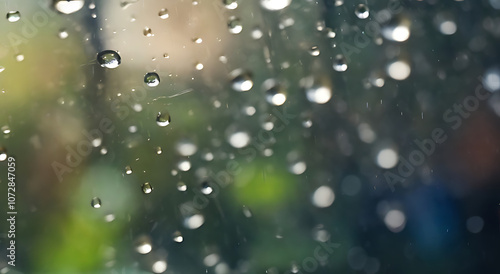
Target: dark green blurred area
{"x": 264, "y": 206}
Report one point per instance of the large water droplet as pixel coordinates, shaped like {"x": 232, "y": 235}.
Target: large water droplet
{"x": 109, "y": 59}
{"x": 152, "y": 79}
{"x": 241, "y": 80}
{"x": 68, "y": 6}
{"x": 274, "y": 5}
{"x": 163, "y": 13}
{"x": 13, "y": 16}
{"x": 234, "y": 25}
{"x": 163, "y": 119}
{"x": 340, "y": 63}
{"x": 96, "y": 202}
{"x": 275, "y": 93}
{"x": 362, "y": 11}
{"x": 230, "y": 4}
{"x": 146, "y": 188}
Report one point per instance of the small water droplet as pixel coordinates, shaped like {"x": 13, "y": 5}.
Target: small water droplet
{"x": 230, "y": 4}
{"x": 234, "y": 25}
{"x": 63, "y": 34}
{"x": 247, "y": 212}
{"x": 177, "y": 237}
{"x": 198, "y": 66}
{"x": 109, "y": 59}
{"x": 163, "y": 119}
{"x": 68, "y": 6}
{"x": 181, "y": 186}
{"x": 362, "y": 11}
{"x": 147, "y": 32}
{"x": 275, "y": 5}
{"x": 163, "y": 13}
{"x": 128, "y": 170}
{"x": 13, "y": 16}
{"x": 184, "y": 165}
{"x": 194, "y": 221}
{"x": 96, "y": 202}
{"x": 257, "y": 33}
{"x": 340, "y": 63}
{"x": 275, "y": 93}
{"x": 146, "y": 188}
{"x": 206, "y": 188}
{"x": 143, "y": 244}
{"x": 314, "y": 51}
{"x": 5, "y": 130}
{"x": 159, "y": 150}
{"x": 241, "y": 80}
{"x": 152, "y": 79}
{"x": 20, "y": 57}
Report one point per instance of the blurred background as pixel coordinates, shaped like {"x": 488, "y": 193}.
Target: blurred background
{"x": 269, "y": 136}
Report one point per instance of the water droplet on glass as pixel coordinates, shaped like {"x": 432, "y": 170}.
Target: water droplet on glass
{"x": 239, "y": 139}
{"x": 143, "y": 244}
{"x": 257, "y": 33}
{"x": 146, "y": 188}
{"x": 158, "y": 150}
{"x": 159, "y": 266}
{"x": 274, "y": 5}
{"x": 206, "y": 188}
{"x": 194, "y": 221}
{"x": 491, "y": 79}
{"x": 275, "y": 93}
{"x": 314, "y": 51}
{"x": 63, "y": 34}
{"x": 247, "y": 212}
{"x": 186, "y": 147}
{"x": 68, "y": 6}
{"x": 230, "y": 4}
{"x": 147, "y": 32}
{"x": 181, "y": 186}
{"x": 387, "y": 158}
{"x": 13, "y": 16}
{"x": 177, "y": 237}
{"x": 152, "y": 79}
{"x": 5, "y": 130}
{"x": 163, "y": 119}
{"x": 316, "y": 93}
{"x": 109, "y": 59}
{"x": 340, "y": 63}
{"x": 163, "y": 13}
{"x": 96, "y": 202}
{"x": 20, "y": 57}
{"x": 323, "y": 197}
{"x": 241, "y": 80}
{"x": 396, "y": 29}
{"x": 234, "y": 25}
{"x": 128, "y": 170}
{"x": 198, "y": 66}
{"x": 184, "y": 165}
{"x": 362, "y": 11}
{"x": 398, "y": 70}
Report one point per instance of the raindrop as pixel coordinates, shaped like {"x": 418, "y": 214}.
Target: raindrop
{"x": 152, "y": 79}
{"x": 143, "y": 245}
{"x": 20, "y": 57}
{"x": 5, "y": 130}
{"x": 323, "y": 197}
{"x": 109, "y": 59}
{"x": 186, "y": 147}
{"x": 247, "y": 212}
{"x": 362, "y": 11}
{"x": 241, "y": 80}
{"x": 395, "y": 220}
{"x": 491, "y": 79}
{"x": 96, "y": 202}
{"x": 275, "y": 93}
{"x": 198, "y": 40}
{"x": 314, "y": 51}
{"x": 158, "y": 150}
{"x": 340, "y": 63}
{"x": 298, "y": 167}
{"x": 163, "y": 13}
{"x": 198, "y": 66}
{"x": 163, "y": 119}
{"x": 234, "y": 25}
{"x": 181, "y": 186}
{"x": 396, "y": 29}
{"x": 230, "y": 4}
{"x": 159, "y": 266}
{"x": 63, "y": 34}
{"x": 177, "y": 237}
{"x": 128, "y": 170}
{"x": 68, "y": 6}
{"x": 387, "y": 158}
{"x": 146, "y": 188}
{"x": 184, "y": 165}
{"x": 275, "y": 5}
{"x": 315, "y": 93}
{"x": 13, "y": 16}
{"x": 194, "y": 221}
{"x": 239, "y": 139}
{"x": 398, "y": 70}
{"x": 147, "y": 32}
{"x": 257, "y": 33}
{"x": 206, "y": 188}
